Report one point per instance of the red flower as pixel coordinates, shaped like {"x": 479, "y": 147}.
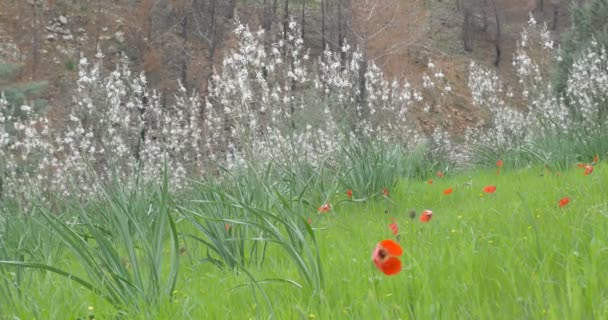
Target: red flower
{"x": 448, "y": 191}
{"x": 385, "y": 191}
{"x": 393, "y": 227}
{"x": 324, "y": 208}
{"x": 430, "y": 181}
{"x": 489, "y": 189}
{"x": 588, "y": 169}
{"x": 439, "y": 174}
{"x": 499, "y": 163}
{"x": 563, "y": 201}
{"x": 349, "y": 193}
{"x": 580, "y": 165}
{"x": 596, "y": 159}
{"x": 426, "y": 216}
{"x": 385, "y": 257}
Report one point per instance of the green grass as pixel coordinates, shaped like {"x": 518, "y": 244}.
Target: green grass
{"x": 509, "y": 255}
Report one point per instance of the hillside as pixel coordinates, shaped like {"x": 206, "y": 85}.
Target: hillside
{"x": 171, "y": 40}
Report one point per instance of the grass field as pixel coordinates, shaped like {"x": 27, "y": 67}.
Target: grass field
{"x": 513, "y": 254}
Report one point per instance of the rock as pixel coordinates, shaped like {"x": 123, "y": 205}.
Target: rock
{"x": 50, "y": 37}
{"x": 119, "y": 36}
{"x": 63, "y": 20}
{"x": 68, "y": 37}
{"x": 81, "y": 30}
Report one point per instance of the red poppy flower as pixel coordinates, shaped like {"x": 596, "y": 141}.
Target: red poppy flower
{"x": 439, "y": 174}
{"x": 448, "y": 191}
{"x": 426, "y": 216}
{"x": 349, "y": 193}
{"x": 385, "y": 257}
{"x": 430, "y": 181}
{"x": 394, "y": 228}
{"x": 499, "y": 163}
{"x": 385, "y": 191}
{"x": 489, "y": 189}
{"x": 580, "y": 165}
{"x": 588, "y": 169}
{"x": 324, "y": 208}
{"x": 596, "y": 159}
{"x": 563, "y": 201}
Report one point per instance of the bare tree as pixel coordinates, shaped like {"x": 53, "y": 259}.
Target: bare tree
{"x": 322, "y": 24}
{"x": 467, "y": 29}
{"x": 498, "y": 35}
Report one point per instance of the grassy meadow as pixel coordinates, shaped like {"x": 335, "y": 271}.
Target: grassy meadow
{"x": 512, "y": 254}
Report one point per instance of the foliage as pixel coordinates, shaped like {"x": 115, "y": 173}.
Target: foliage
{"x": 589, "y": 25}
{"x": 119, "y": 244}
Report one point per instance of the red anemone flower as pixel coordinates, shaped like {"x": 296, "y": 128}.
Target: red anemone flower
{"x": 489, "y": 189}
{"x": 563, "y": 201}
{"x": 426, "y": 216}
{"x": 349, "y": 193}
{"x": 385, "y": 191}
{"x": 499, "y": 163}
{"x": 385, "y": 257}
{"x": 439, "y": 174}
{"x": 588, "y": 169}
{"x": 393, "y": 226}
{"x": 430, "y": 181}
{"x": 324, "y": 208}
{"x": 448, "y": 191}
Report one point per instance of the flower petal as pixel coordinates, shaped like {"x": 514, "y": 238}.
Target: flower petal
{"x": 391, "y": 266}
{"x": 392, "y": 247}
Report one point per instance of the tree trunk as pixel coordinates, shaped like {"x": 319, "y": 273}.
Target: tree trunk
{"x": 35, "y": 43}
{"x": 466, "y": 30}
{"x": 285, "y": 20}
{"x": 229, "y": 14}
{"x": 322, "y": 24}
{"x": 303, "y": 17}
{"x": 184, "y": 63}
{"x": 498, "y": 34}
{"x": 555, "y": 16}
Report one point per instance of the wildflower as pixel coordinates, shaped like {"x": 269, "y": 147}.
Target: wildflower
{"x": 412, "y": 214}
{"x": 393, "y": 226}
{"x": 385, "y": 191}
{"x": 349, "y": 193}
{"x": 596, "y": 159}
{"x": 489, "y": 189}
{"x": 580, "y": 165}
{"x": 430, "y": 181}
{"x": 448, "y": 191}
{"x": 563, "y": 201}
{"x": 588, "y": 169}
{"x": 426, "y": 216}
{"x": 385, "y": 257}
{"x": 499, "y": 163}
{"x": 439, "y": 174}
{"x": 324, "y": 208}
